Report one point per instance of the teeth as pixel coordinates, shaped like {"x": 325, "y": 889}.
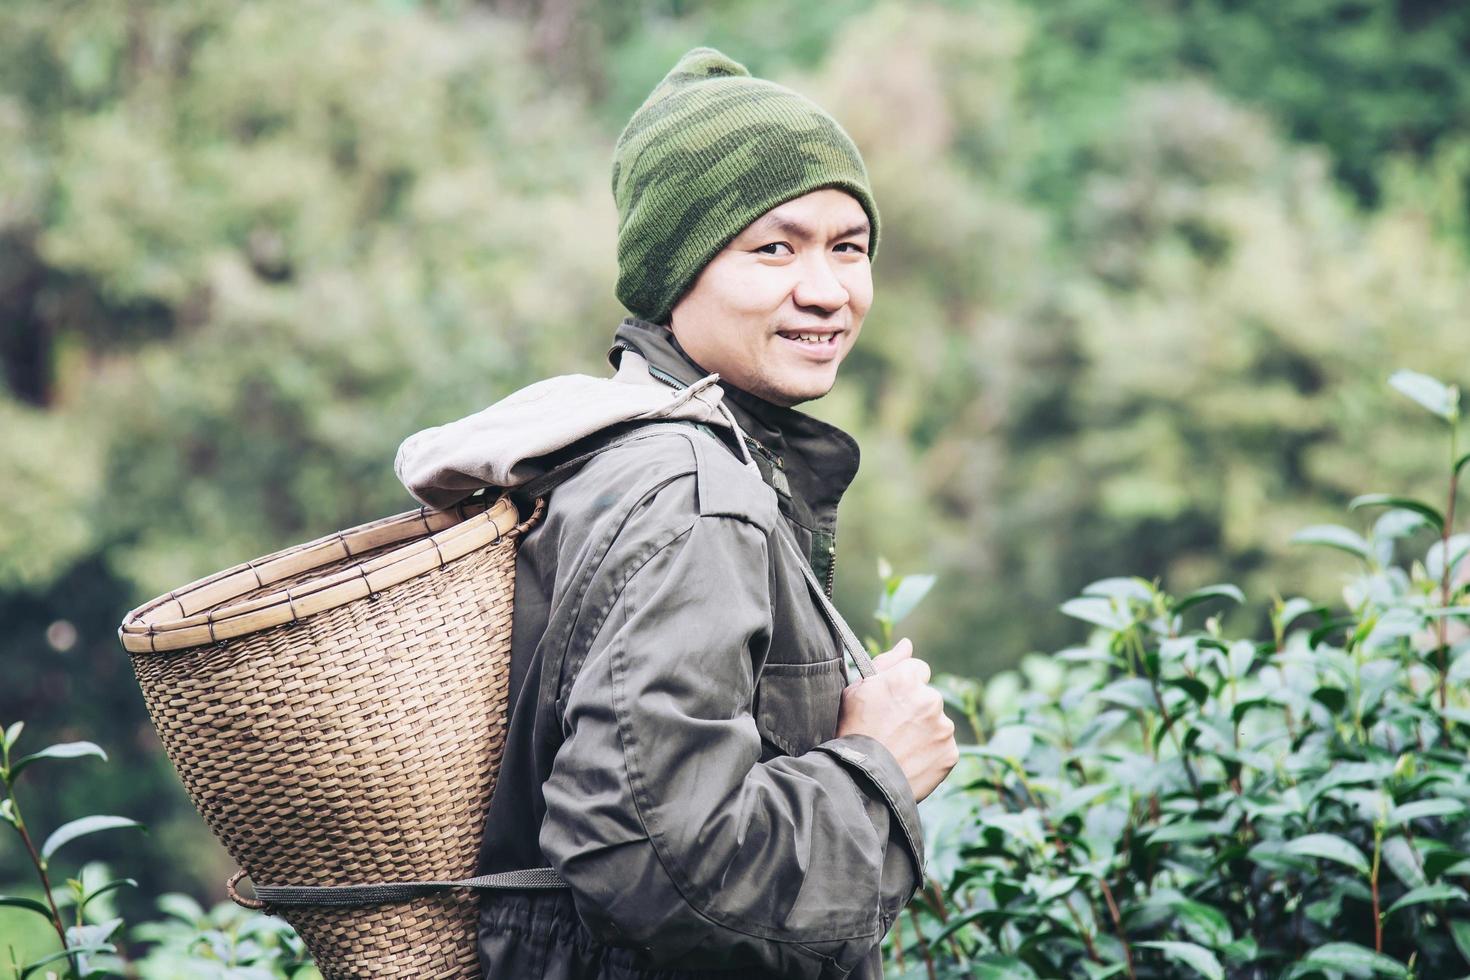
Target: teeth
{"x": 809, "y": 338}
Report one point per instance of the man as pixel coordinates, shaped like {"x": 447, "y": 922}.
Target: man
{"x": 682, "y": 746}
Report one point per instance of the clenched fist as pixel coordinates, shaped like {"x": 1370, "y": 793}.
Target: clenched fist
{"x": 899, "y": 708}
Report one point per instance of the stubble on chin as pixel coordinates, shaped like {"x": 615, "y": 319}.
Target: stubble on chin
{"x": 786, "y": 395}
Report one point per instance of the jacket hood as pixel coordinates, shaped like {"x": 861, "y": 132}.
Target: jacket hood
{"x": 508, "y": 443}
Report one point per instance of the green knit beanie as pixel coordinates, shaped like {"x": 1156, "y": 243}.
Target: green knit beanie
{"x": 708, "y": 152}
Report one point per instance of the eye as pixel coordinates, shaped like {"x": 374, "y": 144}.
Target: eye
{"x": 858, "y": 249}
{"x": 763, "y": 248}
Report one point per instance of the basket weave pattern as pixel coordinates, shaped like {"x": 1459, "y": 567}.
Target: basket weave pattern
{"x": 357, "y": 745}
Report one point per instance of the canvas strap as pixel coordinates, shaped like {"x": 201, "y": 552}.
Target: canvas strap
{"x": 271, "y": 896}
{"x": 382, "y": 894}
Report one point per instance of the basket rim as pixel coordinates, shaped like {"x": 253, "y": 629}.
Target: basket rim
{"x": 215, "y": 613}
{"x": 154, "y": 627}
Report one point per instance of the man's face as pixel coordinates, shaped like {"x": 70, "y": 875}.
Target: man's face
{"x": 798, "y": 272}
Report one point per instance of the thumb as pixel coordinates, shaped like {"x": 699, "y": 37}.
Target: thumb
{"x": 902, "y": 650}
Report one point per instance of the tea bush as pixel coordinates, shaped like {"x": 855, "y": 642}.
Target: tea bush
{"x": 188, "y": 943}
{"x": 1167, "y": 800}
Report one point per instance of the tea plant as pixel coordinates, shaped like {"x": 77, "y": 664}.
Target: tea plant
{"x": 227, "y": 942}
{"x": 1170, "y": 801}
{"x": 81, "y": 941}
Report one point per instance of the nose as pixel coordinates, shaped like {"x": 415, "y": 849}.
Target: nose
{"x": 818, "y": 286}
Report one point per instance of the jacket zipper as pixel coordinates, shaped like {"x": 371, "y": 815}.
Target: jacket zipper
{"x": 831, "y": 562}
{"x": 666, "y": 378}
{"x": 657, "y": 373}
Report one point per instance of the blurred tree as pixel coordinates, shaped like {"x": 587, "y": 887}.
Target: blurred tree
{"x": 1365, "y": 80}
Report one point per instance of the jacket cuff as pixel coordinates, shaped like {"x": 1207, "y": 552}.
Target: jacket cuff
{"x": 872, "y": 758}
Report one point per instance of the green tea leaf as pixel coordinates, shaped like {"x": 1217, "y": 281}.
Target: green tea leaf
{"x": 1441, "y": 399}
{"x": 1439, "y": 807}
{"x": 1183, "y": 832}
{"x": 181, "y": 907}
{"x": 1334, "y": 536}
{"x": 1439, "y": 892}
{"x": 1392, "y": 626}
{"x": 1074, "y": 800}
{"x": 1272, "y": 854}
{"x": 1193, "y": 686}
{"x": 1460, "y": 930}
{"x": 910, "y": 590}
{"x": 1349, "y": 958}
{"x": 1196, "y": 957}
{"x": 1057, "y": 887}
{"x": 1222, "y": 591}
{"x": 1295, "y": 608}
{"x": 954, "y": 925}
{"x": 1205, "y": 923}
{"x": 1102, "y": 971}
{"x": 1010, "y": 742}
{"x": 994, "y": 966}
{"x": 1120, "y": 588}
{"x": 1083, "y": 655}
{"x": 1239, "y": 657}
{"x": 1438, "y": 862}
{"x": 12, "y": 734}
{"x": 69, "y": 832}
{"x": 113, "y": 885}
{"x": 1130, "y": 692}
{"x": 1396, "y": 523}
{"x": 65, "y": 750}
{"x": 1434, "y": 558}
{"x": 1244, "y": 707}
{"x": 1100, "y": 612}
{"x": 1328, "y": 847}
{"x": 1322, "y": 632}
{"x": 1400, "y": 858}
{"x": 29, "y": 904}
{"x": 1425, "y": 511}
{"x": 35, "y": 965}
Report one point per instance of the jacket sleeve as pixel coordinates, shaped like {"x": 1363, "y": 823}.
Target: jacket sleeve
{"x": 675, "y": 839}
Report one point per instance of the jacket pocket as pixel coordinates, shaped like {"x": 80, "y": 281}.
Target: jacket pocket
{"x": 796, "y": 705}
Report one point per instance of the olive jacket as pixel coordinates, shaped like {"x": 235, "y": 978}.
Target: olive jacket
{"x": 674, "y": 695}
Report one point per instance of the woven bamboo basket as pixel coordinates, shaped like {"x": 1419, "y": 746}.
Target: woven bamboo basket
{"x": 337, "y": 711}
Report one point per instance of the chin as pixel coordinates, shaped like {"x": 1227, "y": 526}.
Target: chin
{"x": 796, "y": 393}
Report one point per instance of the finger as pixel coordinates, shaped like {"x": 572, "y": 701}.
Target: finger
{"x": 917, "y": 669}
{"x": 901, "y": 651}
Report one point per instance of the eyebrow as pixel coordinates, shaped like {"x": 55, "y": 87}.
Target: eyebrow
{"x": 801, "y": 232}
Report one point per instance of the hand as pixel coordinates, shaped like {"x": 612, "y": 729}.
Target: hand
{"x": 899, "y": 708}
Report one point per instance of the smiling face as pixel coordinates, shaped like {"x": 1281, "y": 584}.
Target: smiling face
{"x": 777, "y": 309}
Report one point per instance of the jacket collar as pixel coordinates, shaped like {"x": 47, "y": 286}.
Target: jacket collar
{"x": 817, "y": 459}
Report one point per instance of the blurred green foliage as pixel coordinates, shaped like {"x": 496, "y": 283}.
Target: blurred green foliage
{"x": 1145, "y": 269}
{"x": 87, "y": 938}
